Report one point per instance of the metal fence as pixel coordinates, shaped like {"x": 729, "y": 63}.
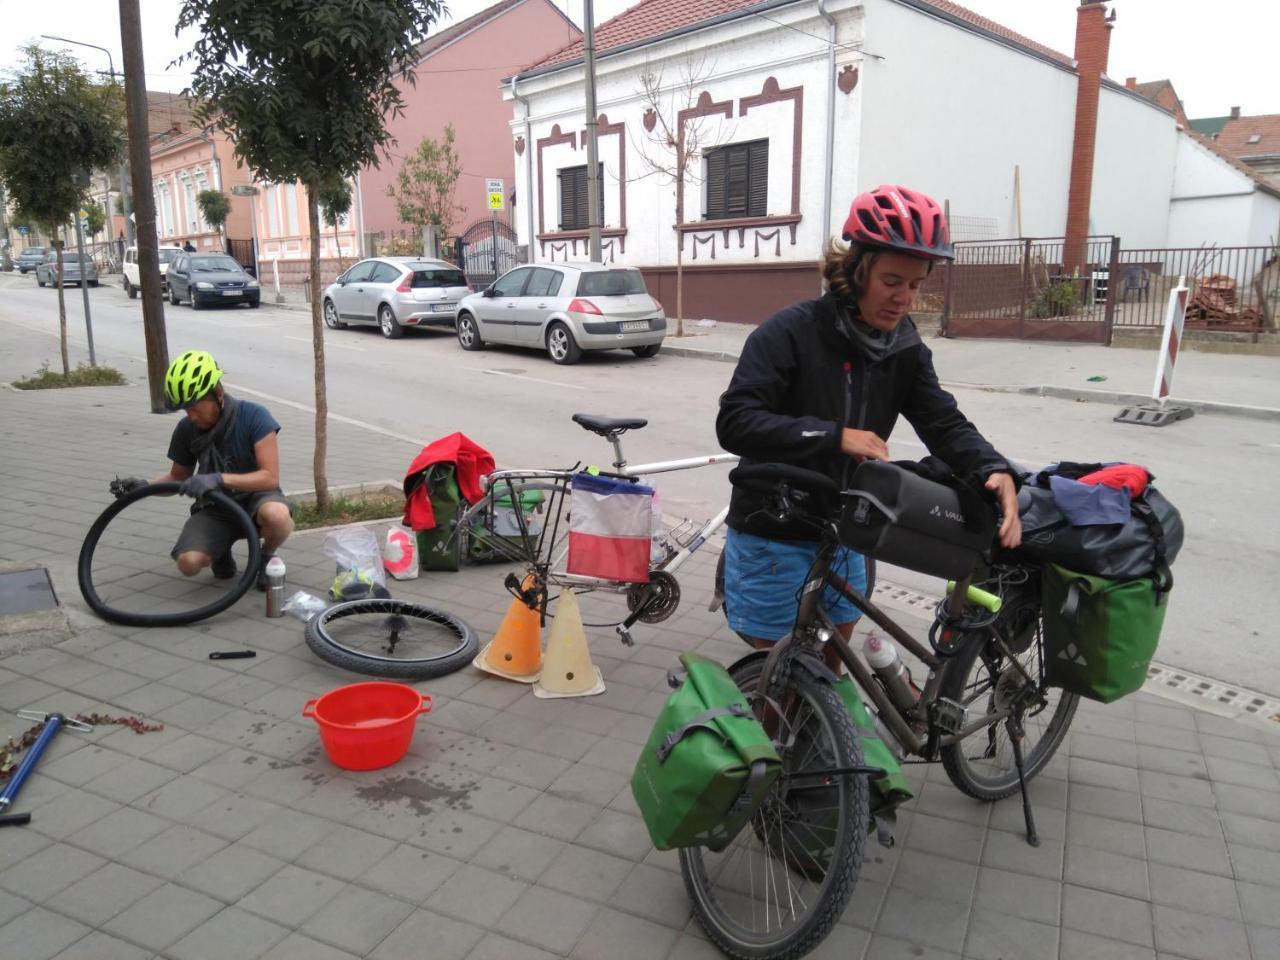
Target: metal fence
{"x": 1233, "y": 289}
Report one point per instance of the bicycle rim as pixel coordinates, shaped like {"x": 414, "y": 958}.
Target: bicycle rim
{"x": 777, "y": 889}
{"x": 981, "y": 679}
{"x": 391, "y": 638}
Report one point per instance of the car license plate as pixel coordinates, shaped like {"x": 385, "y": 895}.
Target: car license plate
{"x": 231, "y": 293}
{"x": 442, "y": 307}
{"x": 631, "y": 326}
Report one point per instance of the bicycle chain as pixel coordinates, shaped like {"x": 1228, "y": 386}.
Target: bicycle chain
{"x": 12, "y": 747}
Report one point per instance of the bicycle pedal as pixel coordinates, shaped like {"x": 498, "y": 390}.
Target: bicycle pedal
{"x": 947, "y": 715}
{"x": 624, "y": 635}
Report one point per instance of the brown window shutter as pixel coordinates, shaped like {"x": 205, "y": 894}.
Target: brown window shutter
{"x": 568, "y": 197}
{"x": 716, "y": 171}
{"x": 758, "y": 178}
{"x": 736, "y": 181}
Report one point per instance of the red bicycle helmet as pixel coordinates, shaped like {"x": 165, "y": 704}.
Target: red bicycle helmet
{"x": 899, "y": 219}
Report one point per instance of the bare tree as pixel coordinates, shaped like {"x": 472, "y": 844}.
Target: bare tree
{"x": 672, "y": 148}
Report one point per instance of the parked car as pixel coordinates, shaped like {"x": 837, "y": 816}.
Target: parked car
{"x": 208, "y": 278}
{"x": 132, "y": 279}
{"x": 72, "y": 265}
{"x": 565, "y": 308}
{"x": 394, "y": 293}
{"x": 30, "y": 258}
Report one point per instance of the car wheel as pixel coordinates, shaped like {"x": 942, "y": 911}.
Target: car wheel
{"x": 468, "y": 332}
{"x": 388, "y": 323}
{"x": 255, "y": 304}
{"x": 648, "y": 350}
{"x": 93, "y": 283}
{"x": 39, "y": 282}
{"x": 173, "y": 297}
{"x": 561, "y": 345}
{"x": 130, "y": 289}
{"x": 195, "y": 302}
{"x": 331, "y": 316}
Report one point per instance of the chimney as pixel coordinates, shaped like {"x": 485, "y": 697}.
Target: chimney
{"x": 1235, "y": 113}
{"x": 1093, "y": 42}
{"x": 1131, "y": 83}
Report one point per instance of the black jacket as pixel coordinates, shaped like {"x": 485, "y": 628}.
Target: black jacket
{"x": 800, "y": 380}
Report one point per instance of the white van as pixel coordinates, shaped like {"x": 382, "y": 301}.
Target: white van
{"x": 132, "y": 281}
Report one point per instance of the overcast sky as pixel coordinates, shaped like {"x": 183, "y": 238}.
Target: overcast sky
{"x": 1218, "y": 54}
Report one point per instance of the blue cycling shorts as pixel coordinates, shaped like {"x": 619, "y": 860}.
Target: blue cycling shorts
{"x": 762, "y": 581}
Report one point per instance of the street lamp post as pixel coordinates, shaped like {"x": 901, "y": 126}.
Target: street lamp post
{"x": 250, "y": 191}
{"x": 124, "y": 162}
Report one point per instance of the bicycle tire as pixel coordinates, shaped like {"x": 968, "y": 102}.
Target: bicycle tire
{"x": 956, "y": 759}
{"x": 845, "y": 852}
{"x": 357, "y": 660}
{"x": 84, "y": 567}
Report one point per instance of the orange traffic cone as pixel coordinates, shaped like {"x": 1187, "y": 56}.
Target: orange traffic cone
{"x": 568, "y": 670}
{"x": 515, "y": 652}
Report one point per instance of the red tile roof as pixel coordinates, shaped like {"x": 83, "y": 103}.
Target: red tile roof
{"x": 652, "y": 18}
{"x": 1234, "y": 135}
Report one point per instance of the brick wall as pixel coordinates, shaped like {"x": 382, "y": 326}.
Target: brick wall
{"x": 1093, "y": 40}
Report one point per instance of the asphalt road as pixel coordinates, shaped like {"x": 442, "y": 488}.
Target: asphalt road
{"x": 518, "y": 404}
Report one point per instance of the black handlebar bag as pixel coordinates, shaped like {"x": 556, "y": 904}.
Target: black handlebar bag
{"x": 900, "y": 517}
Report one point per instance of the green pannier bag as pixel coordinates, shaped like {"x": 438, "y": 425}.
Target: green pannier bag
{"x": 1099, "y": 634}
{"x": 891, "y": 789}
{"x": 707, "y": 765}
{"x": 438, "y": 548}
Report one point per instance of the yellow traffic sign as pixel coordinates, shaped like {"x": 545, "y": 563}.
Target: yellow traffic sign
{"x": 495, "y": 201}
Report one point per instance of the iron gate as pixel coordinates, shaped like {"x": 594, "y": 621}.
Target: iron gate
{"x": 486, "y": 250}
{"x": 242, "y": 252}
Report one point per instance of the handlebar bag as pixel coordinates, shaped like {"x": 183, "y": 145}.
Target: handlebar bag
{"x": 902, "y": 518}
{"x": 708, "y": 762}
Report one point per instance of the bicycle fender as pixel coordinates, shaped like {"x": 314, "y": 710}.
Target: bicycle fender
{"x": 809, "y": 662}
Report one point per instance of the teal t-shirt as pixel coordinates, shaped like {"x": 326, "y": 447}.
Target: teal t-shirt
{"x": 253, "y": 422}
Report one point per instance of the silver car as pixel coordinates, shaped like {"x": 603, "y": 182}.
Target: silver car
{"x": 47, "y": 272}
{"x": 394, "y": 293}
{"x": 565, "y": 308}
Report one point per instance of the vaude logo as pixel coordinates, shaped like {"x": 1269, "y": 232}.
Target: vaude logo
{"x": 937, "y": 511}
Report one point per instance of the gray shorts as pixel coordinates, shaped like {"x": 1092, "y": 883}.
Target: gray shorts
{"x": 212, "y": 531}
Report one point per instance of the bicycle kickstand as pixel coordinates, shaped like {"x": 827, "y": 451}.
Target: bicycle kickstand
{"x": 1015, "y": 737}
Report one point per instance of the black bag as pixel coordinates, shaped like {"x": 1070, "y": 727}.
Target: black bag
{"x": 898, "y": 516}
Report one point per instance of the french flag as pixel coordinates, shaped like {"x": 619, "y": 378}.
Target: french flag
{"x": 610, "y": 527}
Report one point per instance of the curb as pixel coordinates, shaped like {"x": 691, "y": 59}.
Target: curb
{"x": 1105, "y": 396}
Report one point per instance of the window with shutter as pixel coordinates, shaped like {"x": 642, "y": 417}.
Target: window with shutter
{"x": 573, "y": 197}
{"x": 737, "y": 179}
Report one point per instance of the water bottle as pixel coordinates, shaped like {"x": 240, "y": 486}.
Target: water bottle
{"x": 275, "y": 587}
{"x": 893, "y": 673}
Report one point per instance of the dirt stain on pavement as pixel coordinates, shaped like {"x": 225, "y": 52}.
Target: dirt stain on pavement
{"x": 420, "y": 793}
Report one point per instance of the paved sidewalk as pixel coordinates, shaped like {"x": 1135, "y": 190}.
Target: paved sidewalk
{"x": 509, "y": 831}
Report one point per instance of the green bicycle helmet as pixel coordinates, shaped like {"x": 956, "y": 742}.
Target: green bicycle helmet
{"x": 190, "y": 377}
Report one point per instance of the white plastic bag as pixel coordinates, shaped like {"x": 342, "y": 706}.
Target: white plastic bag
{"x": 304, "y": 605}
{"x": 356, "y": 548}
{"x": 400, "y": 553}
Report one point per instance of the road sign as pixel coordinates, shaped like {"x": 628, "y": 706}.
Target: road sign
{"x": 22, "y": 231}
{"x": 496, "y": 194}
{"x": 244, "y": 190}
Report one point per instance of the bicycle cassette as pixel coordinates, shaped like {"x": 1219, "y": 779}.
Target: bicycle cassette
{"x": 657, "y": 599}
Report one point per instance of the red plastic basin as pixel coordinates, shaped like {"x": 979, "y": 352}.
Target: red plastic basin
{"x": 364, "y": 726}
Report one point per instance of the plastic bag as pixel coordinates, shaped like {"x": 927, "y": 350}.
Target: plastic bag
{"x": 400, "y": 553}
{"x": 356, "y": 548}
{"x": 304, "y": 605}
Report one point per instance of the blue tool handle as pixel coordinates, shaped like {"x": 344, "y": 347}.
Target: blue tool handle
{"x": 51, "y": 725}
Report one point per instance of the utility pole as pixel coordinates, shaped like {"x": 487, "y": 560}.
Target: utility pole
{"x": 84, "y": 281}
{"x": 144, "y": 207}
{"x": 593, "y": 163}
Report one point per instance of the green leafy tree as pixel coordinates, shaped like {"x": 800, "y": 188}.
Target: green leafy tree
{"x": 335, "y": 203}
{"x": 96, "y": 219}
{"x": 307, "y": 89}
{"x": 55, "y": 126}
{"x": 426, "y": 184}
{"x": 215, "y": 207}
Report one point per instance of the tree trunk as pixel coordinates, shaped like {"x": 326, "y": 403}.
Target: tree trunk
{"x": 679, "y": 283}
{"x": 317, "y": 348}
{"x": 62, "y": 306}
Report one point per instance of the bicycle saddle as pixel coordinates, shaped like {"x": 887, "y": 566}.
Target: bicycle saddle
{"x": 607, "y": 425}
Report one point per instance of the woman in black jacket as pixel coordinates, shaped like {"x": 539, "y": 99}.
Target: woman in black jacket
{"x": 821, "y": 385}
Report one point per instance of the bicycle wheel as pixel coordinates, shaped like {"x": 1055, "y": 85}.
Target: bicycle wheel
{"x": 777, "y": 889}
{"x": 135, "y": 556}
{"x": 391, "y": 638}
{"x": 983, "y": 765}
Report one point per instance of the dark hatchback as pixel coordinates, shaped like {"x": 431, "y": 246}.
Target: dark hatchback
{"x": 209, "y": 278}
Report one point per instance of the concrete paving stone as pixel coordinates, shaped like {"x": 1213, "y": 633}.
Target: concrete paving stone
{"x": 49, "y": 870}
{"x": 1165, "y": 737}
{"x": 1101, "y": 870}
{"x": 345, "y": 852}
{"x": 287, "y": 833}
{"x": 557, "y": 817}
{"x": 173, "y": 852}
{"x": 69, "y": 673}
{"x": 1181, "y": 818}
{"x": 101, "y": 946}
{"x": 447, "y": 939}
{"x": 1198, "y": 936}
{"x": 589, "y": 784}
{"x": 453, "y": 833}
{"x": 233, "y": 769}
{"x": 358, "y": 919}
{"x": 69, "y": 811}
{"x": 496, "y": 799}
{"x": 624, "y": 801}
{"x": 162, "y": 917}
{"x": 1260, "y": 903}
{"x": 618, "y": 833}
{"x": 1051, "y": 824}
{"x": 995, "y": 936}
{"x": 923, "y": 921}
{"x": 1009, "y": 851}
{"x": 1019, "y": 895}
{"x": 1105, "y": 749}
{"x": 1190, "y": 790}
{"x": 39, "y": 934}
{"x": 1105, "y": 802}
{"x": 882, "y": 947}
{"x": 1108, "y": 915}
{"x": 865, "y": 903}
{"x": 285, "y": 782}
{"x": 1224, "y": 727}
{"x": 233, "y": 815}
{"x": 497, "y": 947}
{"x": 474, "y": 753}
{"x": 121, "y": 653}
{"x": 656, "y": 894}
{"x": 1242, "y": 751}
{"x": 1101, "y": 833}
{"x": 937, "y": 877}
{"x": 196, "y": 677}
{"x": 1102, "y": 774}
{"x": 1173, "y": 717}
{"x": 298, "y": 947}
{"x": 193, "y": 714}
{"x": 585, "y": 873}
{"x": 494, "y": 692}
{"x": 12, "y": 906}
{"x": 78, "y": 767}
{"x": 1249, "y": 801}
{"x": 1254, "y": 864}
{"x": 1194, "y": 890}
{"x": 945, "y": 838}
{"x": 548, "y": 919}
{"x": 941, "y": 799}
{"x": 232, "y": 872}
{"x": 1116, "y": 728}
{"x": 1180, "y": 763}
{"x": 180, "y": 797}
{"x": 291, "y": 895}
{"x": 1078, "y": 945}
{"x": 157, "y": 665}
{"x": 469, "y": 718}
{"x": 563, "y": 741}
{"x": 1264, "y": 941}
{"x": 607, "y": 755}
{"x": 130, "y": 779}
{"x": 119, "y": 831}
{"x": 1251, "y": 831}
{"x": 1207, "y": 854}
{"x": 230, "y": 933}
{"x": 410, "y": 873}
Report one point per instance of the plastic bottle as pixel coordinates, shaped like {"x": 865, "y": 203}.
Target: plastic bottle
{"x": 275, "y": 587}
{"x": 893, "y": 673}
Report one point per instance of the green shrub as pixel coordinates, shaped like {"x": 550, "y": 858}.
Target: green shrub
{"x": 1059, "y": 299}
{"x": 81, "y": 376}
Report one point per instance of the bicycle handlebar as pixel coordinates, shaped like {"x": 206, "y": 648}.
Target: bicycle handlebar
{"x": 767, "y": 476}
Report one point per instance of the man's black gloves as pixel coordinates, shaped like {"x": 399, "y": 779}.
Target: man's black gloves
{"x": 123, "y": 486}
{"x": 200, "y": 484}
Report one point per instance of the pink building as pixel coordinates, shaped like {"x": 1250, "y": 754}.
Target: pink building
{"x": 459, "y": 81}
{"x": 182, "y": 165}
